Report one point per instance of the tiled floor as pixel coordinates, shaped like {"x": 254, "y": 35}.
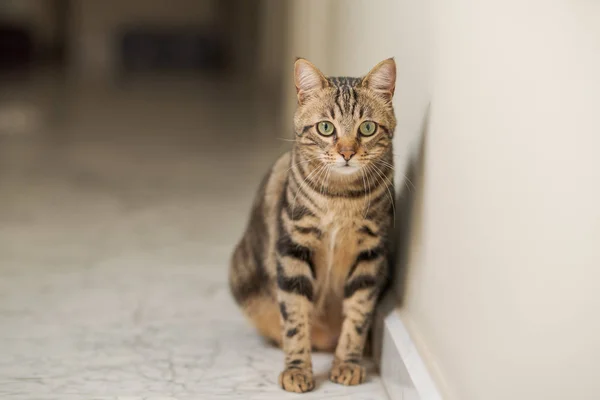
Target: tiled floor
{"x": 118, "y": 211}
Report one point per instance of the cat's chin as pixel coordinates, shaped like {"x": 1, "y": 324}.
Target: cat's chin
{"x": 346, "y": 170}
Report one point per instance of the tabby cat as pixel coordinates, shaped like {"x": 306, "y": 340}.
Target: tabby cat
{"x": 313, "y": 260}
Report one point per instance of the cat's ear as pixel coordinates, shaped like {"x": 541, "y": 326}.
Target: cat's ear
{"x": 307, "y": 78}
{"x": 382, "y": 78}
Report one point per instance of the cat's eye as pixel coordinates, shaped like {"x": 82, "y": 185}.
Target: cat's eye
{"x": 325, "y": 128}
{"x": 367, "y": 128}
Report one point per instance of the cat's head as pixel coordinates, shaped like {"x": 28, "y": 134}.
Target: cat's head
{"x": 345, "y": 123}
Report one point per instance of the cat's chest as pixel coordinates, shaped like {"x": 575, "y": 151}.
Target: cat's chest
{"x": 337, "y": 251}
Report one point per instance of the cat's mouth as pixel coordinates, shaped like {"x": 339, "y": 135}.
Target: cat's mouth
{"x": 346, "y": 169}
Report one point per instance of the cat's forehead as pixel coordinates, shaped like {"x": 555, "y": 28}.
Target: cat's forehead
{"x": 344, "y": 81}
{"x": 343, "y": 99}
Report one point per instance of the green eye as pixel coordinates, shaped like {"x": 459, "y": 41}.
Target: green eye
{"x": 367, "y": 128}
{"x": 325, "y": 128}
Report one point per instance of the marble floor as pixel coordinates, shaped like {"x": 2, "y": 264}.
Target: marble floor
{"x": 118, "y": 211}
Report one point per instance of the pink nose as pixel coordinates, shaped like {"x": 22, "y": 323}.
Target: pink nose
{"x": 347, "y": 154}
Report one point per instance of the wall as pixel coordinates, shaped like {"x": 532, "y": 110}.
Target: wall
{"x": 502, "y": 287}
{"x": 503, "y": 281}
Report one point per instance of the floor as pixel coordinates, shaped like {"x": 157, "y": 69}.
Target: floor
{"x": 118, "y": 211}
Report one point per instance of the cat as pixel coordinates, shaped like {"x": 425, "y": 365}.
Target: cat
{"x": 313, "y": 260}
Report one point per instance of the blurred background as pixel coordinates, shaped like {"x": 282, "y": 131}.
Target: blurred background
{"x": 125, "y": 103}
{"x": 133, "y": 135}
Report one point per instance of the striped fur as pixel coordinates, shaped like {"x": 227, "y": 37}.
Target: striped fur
{"x": 313, "y": 260}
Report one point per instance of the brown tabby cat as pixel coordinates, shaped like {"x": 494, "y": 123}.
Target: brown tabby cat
{"x": 313, "y": 260}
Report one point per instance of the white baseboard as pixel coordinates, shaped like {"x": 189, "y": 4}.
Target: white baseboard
{"x": 402, "y": 368}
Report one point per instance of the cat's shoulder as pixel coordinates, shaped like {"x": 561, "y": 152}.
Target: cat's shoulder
{"x": 282, "y": 165}
{"x": 274, "y": 181}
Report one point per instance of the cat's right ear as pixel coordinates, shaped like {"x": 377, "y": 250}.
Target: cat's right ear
{"x": 307, "y": 78}
{"x": 382, "y": 78}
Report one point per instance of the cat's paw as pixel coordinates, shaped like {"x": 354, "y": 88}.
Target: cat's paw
{"x": 347, "y": 373}
{"x": 297, "y": 380}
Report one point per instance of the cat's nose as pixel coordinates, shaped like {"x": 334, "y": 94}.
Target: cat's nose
{"x": 347, "y": 153}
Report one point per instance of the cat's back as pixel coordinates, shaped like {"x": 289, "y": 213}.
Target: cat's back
{"x": 275, "y": 182}
{"x": 263, "y": 219}
{"x": 252, "y": 271}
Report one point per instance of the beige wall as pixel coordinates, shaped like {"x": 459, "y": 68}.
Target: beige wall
{"x": 503, "y": 292}
{"x": 504, "y": 281}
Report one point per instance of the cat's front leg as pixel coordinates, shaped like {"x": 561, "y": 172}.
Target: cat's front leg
{"x": 361, "y": 291}
{"x": 295, "y": 294}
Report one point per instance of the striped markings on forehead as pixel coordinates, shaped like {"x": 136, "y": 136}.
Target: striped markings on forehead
{"x": 345, "y": 96}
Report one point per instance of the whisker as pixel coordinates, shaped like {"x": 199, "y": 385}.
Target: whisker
{"x": 286, "y": 140}
{"x": 387, "y": 179}
{"x": 374, "y": 178}
{"x": 304, "y": 182}
{"x": 409, "y": 181}
{"x": 320, "y": 179}
{"x": 323, "y": 186}
{"x": 372, "y": 182}
{"x": 387, "y": 187}
{"x": 328, "y": 181}
{"x": 406, "y": 180}
{"x": 362, "y": 170}
{"x": 301, "y": 162}
{"x": 387, "y": 164}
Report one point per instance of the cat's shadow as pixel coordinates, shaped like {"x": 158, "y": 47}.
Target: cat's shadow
{"x": 405, "y": 232}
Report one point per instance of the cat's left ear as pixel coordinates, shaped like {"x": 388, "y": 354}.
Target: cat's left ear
{"x": 382, "y": 78}
{"x": 308, "y": 79}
